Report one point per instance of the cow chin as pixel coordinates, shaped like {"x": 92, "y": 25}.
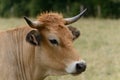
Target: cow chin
{"x": 76, "y": 67}
{"x": 56, "y": 73}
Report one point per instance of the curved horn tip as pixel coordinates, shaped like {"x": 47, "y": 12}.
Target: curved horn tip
{"x": 75, "y": 18}
{"x": 33, "y": 24}
{"x": 83, "y": 11}
{"x": 26, "y": 19}
{"x": 29, "y": 22}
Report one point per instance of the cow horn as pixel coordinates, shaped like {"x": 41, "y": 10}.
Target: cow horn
{"x": 75, "y": 18}
{"x": 33, "y": 24}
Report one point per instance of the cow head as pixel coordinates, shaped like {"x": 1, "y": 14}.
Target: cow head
{"x": 54, "y": 44}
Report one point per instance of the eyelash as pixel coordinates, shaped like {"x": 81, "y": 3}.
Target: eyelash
{"x": 54, "y": 41}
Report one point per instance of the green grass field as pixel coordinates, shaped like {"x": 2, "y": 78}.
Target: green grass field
{"x": 99, "y": 45}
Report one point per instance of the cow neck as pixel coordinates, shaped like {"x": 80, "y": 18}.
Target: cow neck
{"x": 23, "y": 54}
{"x": 40, "y": 70}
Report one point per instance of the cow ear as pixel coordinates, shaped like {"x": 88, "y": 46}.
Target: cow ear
{"x": 33, "y": 37}
{"x": 75, "y": 32}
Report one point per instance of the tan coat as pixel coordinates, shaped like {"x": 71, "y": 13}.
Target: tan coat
{"x": 33, "y": 54}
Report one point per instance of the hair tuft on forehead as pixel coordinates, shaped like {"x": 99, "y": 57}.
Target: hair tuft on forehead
{"x": 50, "y": 17}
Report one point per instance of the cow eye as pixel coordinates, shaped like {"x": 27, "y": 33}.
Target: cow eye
{"x": 53, "y": 41}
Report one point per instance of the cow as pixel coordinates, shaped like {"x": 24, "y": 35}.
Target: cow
{"x": 43, "y": 48}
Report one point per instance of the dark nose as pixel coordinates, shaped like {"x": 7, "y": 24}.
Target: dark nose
{"x": 80, "y": 67}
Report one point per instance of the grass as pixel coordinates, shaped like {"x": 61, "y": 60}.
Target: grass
{"x": 99, "y": 45}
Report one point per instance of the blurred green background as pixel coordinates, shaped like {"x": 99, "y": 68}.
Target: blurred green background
{"x": 96, "y": 8}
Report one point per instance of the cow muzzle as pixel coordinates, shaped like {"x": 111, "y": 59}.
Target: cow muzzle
{"x": 76, "y": 67}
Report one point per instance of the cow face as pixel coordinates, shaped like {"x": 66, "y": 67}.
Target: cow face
{"x": 34, "y": 36}
{"x": 54, "y": 45}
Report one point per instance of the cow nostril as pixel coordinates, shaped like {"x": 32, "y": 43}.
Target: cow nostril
{"x": 80, "y": 67}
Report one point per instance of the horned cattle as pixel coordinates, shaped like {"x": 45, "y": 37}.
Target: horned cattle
{"x": 43, "y": 48}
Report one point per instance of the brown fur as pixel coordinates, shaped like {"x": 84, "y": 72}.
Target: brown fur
{"x": 51, "y": 18}
{"x": 19, "y": 60}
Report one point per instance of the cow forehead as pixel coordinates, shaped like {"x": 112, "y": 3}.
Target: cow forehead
{"x": 54, "y": 22}
{"x": 59, "y": 31}
{"x": 51, "y": 18}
